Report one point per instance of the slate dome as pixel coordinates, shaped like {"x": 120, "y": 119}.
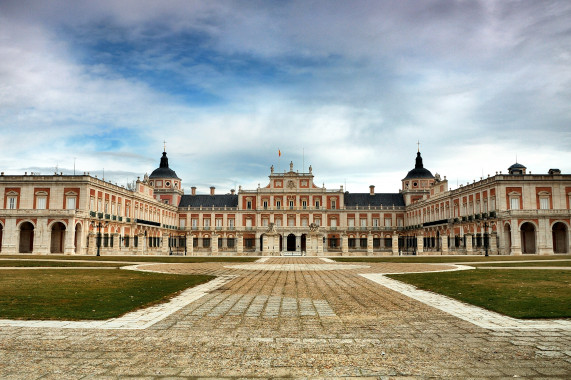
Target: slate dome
{"x": 419, "y": 171}
{"x": 163, "y": 171}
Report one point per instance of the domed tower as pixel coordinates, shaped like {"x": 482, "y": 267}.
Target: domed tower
{"x": 165, "y": 182}
{"x": 517, "y": 169}
{"x": 417, "y": 182}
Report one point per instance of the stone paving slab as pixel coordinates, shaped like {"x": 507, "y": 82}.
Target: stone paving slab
{"x": 297, "y": 323}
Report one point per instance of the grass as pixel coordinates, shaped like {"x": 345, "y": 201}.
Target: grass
{"x": 54, "y": 263}
{"x": 516, "y": 293}
{"x": 447, "y": 259}
{"x": 85, "y": 294}
{"x": 130, "y": 259}
{"x": 566, "y": 263}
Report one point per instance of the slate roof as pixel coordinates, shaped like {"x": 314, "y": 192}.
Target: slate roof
{"x": 517, "y": 166}
{"x": 379, "y": 199}
{"x": 163, "y": 171}
{"x": 221, "y": 200}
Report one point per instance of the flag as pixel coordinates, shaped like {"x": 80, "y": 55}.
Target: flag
{"x": 279, "y": 153}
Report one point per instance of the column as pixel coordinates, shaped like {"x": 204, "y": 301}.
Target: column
{"x": 395, "y": 244}
{"x": 544, "y": 238}
{"x": 419, "y": 244}
{"x": 298, "y": 242}
{"x": 240, "y": 244}
{"x": 516, "y": 238}
{"x": 257, "y": 242}
{"x": 469, "y": 249}
{"x": 493, "y": 243}
{"x": 214, "y": 244}
{"x": 369, "y": 244}
{"x": 319, "y": 245}
{"x": 142, "y": 243}
{"x": 164, "y": 244}
{"x": 344, "y": 244}
{"x": 42, "y": 238}
{"x": 444, "y": 244}
{"x": 92, "y": 244}
{"x": 68, "y": 245}
{"x": 266, "y": 249}
{"x": 189, "y": 245}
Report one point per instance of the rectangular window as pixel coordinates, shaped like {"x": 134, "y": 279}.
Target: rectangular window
{"x": 278, "y": 222}
{"x": 248, "y": 223}
{"x": 514, "y": 203}
{"x": 291, "y": 222}
{"x": 249, "y": 205}
{"x": 388, "y": 222}
{"x": 333, "y": 204}
{"x": 278, "y": 204}
{"x": 375, "y": 222}
{"x": 12, "y": 202}
{"x": 265, "y": 222}
{"x": 544, "y": 203}
{"x": 182, "y": 223}
{"x": 265, "y": 205}
{"x": 318, "y": 222}
{"x": 333, "y": 222}
{"x": 304, "y": 204}
{"x": 400, "y": 222}
{"x": 70, "y": 203}
{"x": 207, "y": 223}
{"x": 363, "y": 222}
{"x": 218, "y": 223}
{"x": 291, "y": 205}
{"x": 351, "y": 222}
{"x": 206, "y": 242}
{"x": 92, "y": 204}
{"x": 304, "y": 222}
{"x": 231, "y": 223}
{"x": 317, "y": 205}
{"x": 41, "y": 203}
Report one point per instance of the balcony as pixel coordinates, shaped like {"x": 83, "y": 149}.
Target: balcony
{"x": 107, "y": 216}
{"x": 114, "y": 217}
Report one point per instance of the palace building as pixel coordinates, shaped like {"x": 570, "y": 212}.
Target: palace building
{"x": 509, "y": 214}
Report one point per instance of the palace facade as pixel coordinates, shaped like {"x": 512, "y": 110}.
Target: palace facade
{"x": 510, "y": 214}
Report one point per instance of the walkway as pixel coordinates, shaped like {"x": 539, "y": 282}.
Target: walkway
{"x": 290, "y": 317}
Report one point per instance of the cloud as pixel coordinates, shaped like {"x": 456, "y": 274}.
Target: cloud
{"x": 353, "y": 84}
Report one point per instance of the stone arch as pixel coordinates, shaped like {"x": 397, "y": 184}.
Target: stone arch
{"x": 560, "y": 234}
{"x": 77, "y": 238}
{"x": 528, "y": 237}
{"x": 291, "y": 243}
{"x": 26, "y": 241}
{"x": 507, "y": 237}
{"x": 57, "y": 237}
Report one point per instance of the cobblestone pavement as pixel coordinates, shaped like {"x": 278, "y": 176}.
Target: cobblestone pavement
{"x": 299, "y": 322}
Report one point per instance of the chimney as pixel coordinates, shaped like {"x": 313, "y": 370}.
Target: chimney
{"x": 193, "y": 190}
{"x": 232, "y": 191}
{"x": 372, "y": 189}
{"x": 212, "y": 190}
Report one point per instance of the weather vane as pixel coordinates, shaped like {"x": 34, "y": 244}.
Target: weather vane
{"x": 164, "y": 146}
{"x": 418, "y": 143}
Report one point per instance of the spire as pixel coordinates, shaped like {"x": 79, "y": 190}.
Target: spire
{"x": 418, "y": 164}
{"x": 164, "y": 161}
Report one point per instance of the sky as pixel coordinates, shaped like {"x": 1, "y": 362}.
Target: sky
{"x": 348, "y": 87}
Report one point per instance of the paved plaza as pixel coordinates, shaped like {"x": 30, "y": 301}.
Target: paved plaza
{"x": 291, "y": 317}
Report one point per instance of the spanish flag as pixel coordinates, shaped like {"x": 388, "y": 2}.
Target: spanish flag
{"x": 279, "y": 153}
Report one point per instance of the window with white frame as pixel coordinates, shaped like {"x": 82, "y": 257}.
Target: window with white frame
{"x": 317, "y": 222}
{"x": 304, "y": 204}
{"x": 317, "y": 204}
{"x": 291, "y": 204}
{"x": 375, "y": 222}
{"x": 219, "y": 222}
{"x": 231, "y": 223}
{"x": 206, "y": 223}
{"x": 278, "y": 204}
{"x": 400, "y": 222}
{"x": 388, "y": 222}
{"x": 12, "y": 202}
{"x": 544, "y": 203}
{"x": 363, "y": 222}
{"x": 351, "y": 222}
{"x": 265, "y": 205}
{"x": 333, "y": 204}
{"x": 182, "y": 223}
{"x": 249, "y": 205}
{"x": 265, "y": 222}
{"x": 71, "y": 201}
{"x": 92, "y": 203}
{"x": 304, "y": 222}
{"x": 194, "y": 223}
{"x": 249, "y": 223}
{"x": 333, "y": 222}
{"x": 514, "y": 203}
{"x": 291, "y": 222}
{"x": 41, "y": 202}
{"x": 278, "y": 222}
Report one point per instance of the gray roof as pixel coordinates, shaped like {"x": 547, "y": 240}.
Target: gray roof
{"x": 379, "y": 199}
{"x": 222, "y": 200}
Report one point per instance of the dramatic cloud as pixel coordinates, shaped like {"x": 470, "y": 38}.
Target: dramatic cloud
{"x": 348, "y": 87}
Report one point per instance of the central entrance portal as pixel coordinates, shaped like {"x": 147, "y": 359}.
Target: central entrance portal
{"x": 291, "y": 243}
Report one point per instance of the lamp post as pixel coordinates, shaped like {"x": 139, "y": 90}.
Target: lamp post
{"x": 99, "y": 224}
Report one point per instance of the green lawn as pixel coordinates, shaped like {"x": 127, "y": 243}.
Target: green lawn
{"x": 85, "y": 294}
{"x": 517, "y": 293}
{"x": 131, "y": 259}
{"x": 58, "y": 263}
{"x": 446, "y": 259}
{"x": 566, "y": 263}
